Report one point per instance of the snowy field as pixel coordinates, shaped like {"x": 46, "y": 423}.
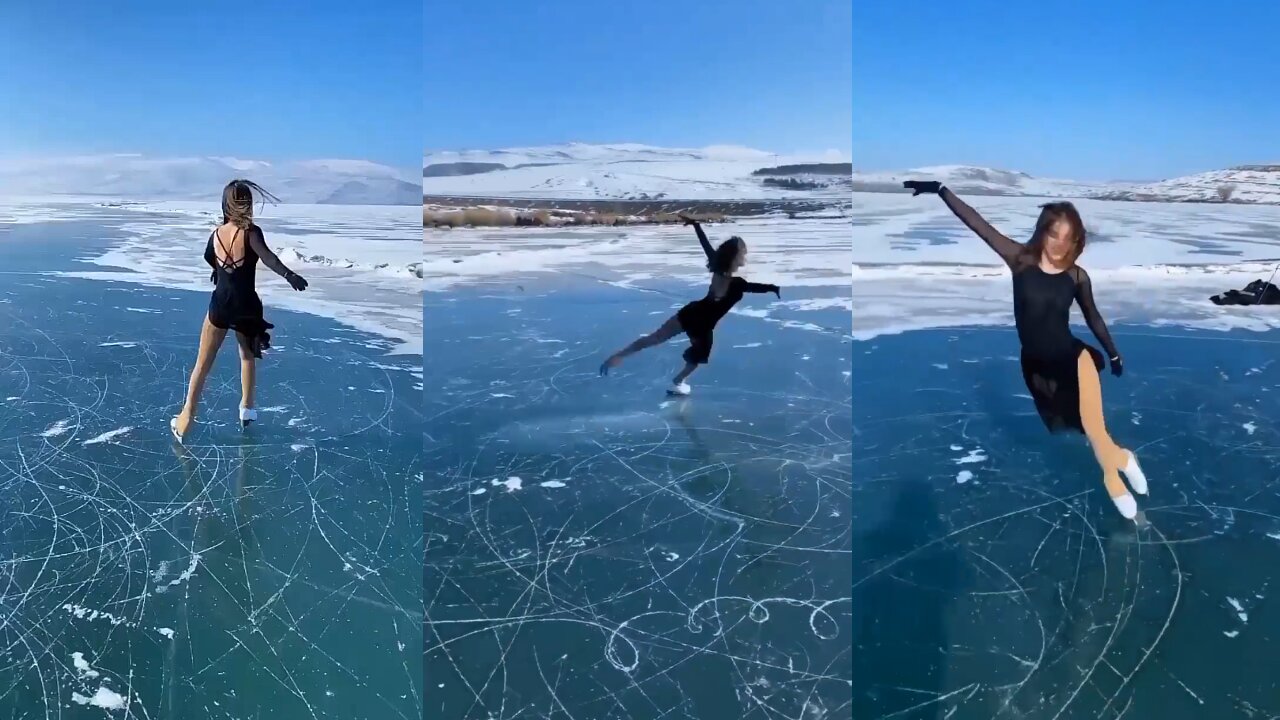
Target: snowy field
{"x": 916, "y": 266}
{"x": 362, "y": 262}
{"x": 791, "y": 253}
{"x": 577, "y": 171}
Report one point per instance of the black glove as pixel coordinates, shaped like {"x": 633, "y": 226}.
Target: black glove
{"x": 1117, "y": 366}
{"x": 923, "y": 186}
{"x": 777, "y": 291}
{"x": 296, "y": 281}
{"x": 213, "y": 276}
{"x": 687, "y": 220}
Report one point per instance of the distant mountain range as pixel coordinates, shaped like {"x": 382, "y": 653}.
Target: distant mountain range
{"x": 628, "y": 171}
{"x": 579, "y": 171}
{"x": 1253, "y": 184}
{"x": 333, "y": 182}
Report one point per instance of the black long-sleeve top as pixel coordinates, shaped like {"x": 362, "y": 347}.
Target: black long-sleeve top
{"x": 257, "y": 250}
{"x": 1041, "y": 301}
{"x": 705, "y": 313}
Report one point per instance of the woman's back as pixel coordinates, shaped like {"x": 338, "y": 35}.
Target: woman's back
{"x": 231, "y": 255}
{"x": 232, "y": 245}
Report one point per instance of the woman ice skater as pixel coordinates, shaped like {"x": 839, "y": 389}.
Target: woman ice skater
{"x": 698, "y": 319}
{"x": 1060, "y": 370}
{"x": 233, "y": 251}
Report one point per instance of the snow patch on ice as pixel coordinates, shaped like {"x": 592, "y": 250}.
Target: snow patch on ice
{"x": 1240, "y": 613}
{"x": 104, "y": 698}
{"x": 61, "y": 427}
{"x": 975, "y": 455}
{"x": 512, "y": 483}
{"x": 82, "y": 665}
{"x": 108, "y": 436}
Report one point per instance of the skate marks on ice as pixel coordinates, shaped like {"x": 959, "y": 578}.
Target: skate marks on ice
{"x": 1019, "y": 592}
{"x": 245, "y": 573}
{"x": 599, "y": 550}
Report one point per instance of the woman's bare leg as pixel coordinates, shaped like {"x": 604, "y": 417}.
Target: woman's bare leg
{"x": 210, "y": 340}
{"x": 668, "y": 330}
{"x": 248, "y": 371}
{"x": 1111, "y": 457}
{"x": 685, "y": 373}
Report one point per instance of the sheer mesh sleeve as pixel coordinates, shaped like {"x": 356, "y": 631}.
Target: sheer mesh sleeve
{"x": 1084, "y": 298}
{"x": 702, "y": 240}
{"x": 259, "y": 245}
{"x": 1008, "y": 250}
{"x": 755, "y": 287}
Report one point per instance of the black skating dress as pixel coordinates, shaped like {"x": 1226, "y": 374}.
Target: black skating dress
{"x": 235, "y": 304}
{"x": 1042, "y": 314}
{"x": 698, "y": 319}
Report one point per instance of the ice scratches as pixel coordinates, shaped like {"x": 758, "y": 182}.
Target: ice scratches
{"x": 1025, "y": 595}
{"x": 141, "y": 580}
{"x": 666, "y": 566}
{"x": 1048, "y": 599}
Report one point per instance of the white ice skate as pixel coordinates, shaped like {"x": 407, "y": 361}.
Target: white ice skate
{"x": 1127, "y": 506}
{"x": 1133, "y": 473}
{"x": 679, "y": 389}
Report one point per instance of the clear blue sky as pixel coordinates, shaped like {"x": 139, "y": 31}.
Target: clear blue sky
{"x": 1089, "y": 90}
{"x": 764, "y": 73}
{"x": 315, "y": 78}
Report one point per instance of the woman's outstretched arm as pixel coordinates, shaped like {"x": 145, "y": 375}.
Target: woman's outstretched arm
{"x": 1008, "y": 250}
{"x": 1084, "y": 298}
{"x": 259, "y": 245}
{"x": 702, "y": 237}
{"x": 761, "y": 288}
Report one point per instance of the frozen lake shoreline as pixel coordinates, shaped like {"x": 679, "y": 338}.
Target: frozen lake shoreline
{"x": 362, "y": 261}
{"x": 916, "y": 266}
{"x": 802, "y": 253}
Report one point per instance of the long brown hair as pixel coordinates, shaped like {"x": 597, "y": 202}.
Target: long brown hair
{"x": 1051, "y": 213}
{"x": 237, "y": 202}
{"x": 722, "y": 259}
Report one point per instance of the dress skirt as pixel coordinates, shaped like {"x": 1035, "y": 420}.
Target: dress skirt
{"x": 1054, "y": 384}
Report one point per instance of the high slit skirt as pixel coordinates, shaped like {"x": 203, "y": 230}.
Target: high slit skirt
{"x": 1054, "y": 384}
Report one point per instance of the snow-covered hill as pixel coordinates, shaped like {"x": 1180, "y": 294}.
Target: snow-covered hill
{"x": 628, "y": 172}
{"x": 1249, "y": 184}
{"x": 202, "y": 178}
